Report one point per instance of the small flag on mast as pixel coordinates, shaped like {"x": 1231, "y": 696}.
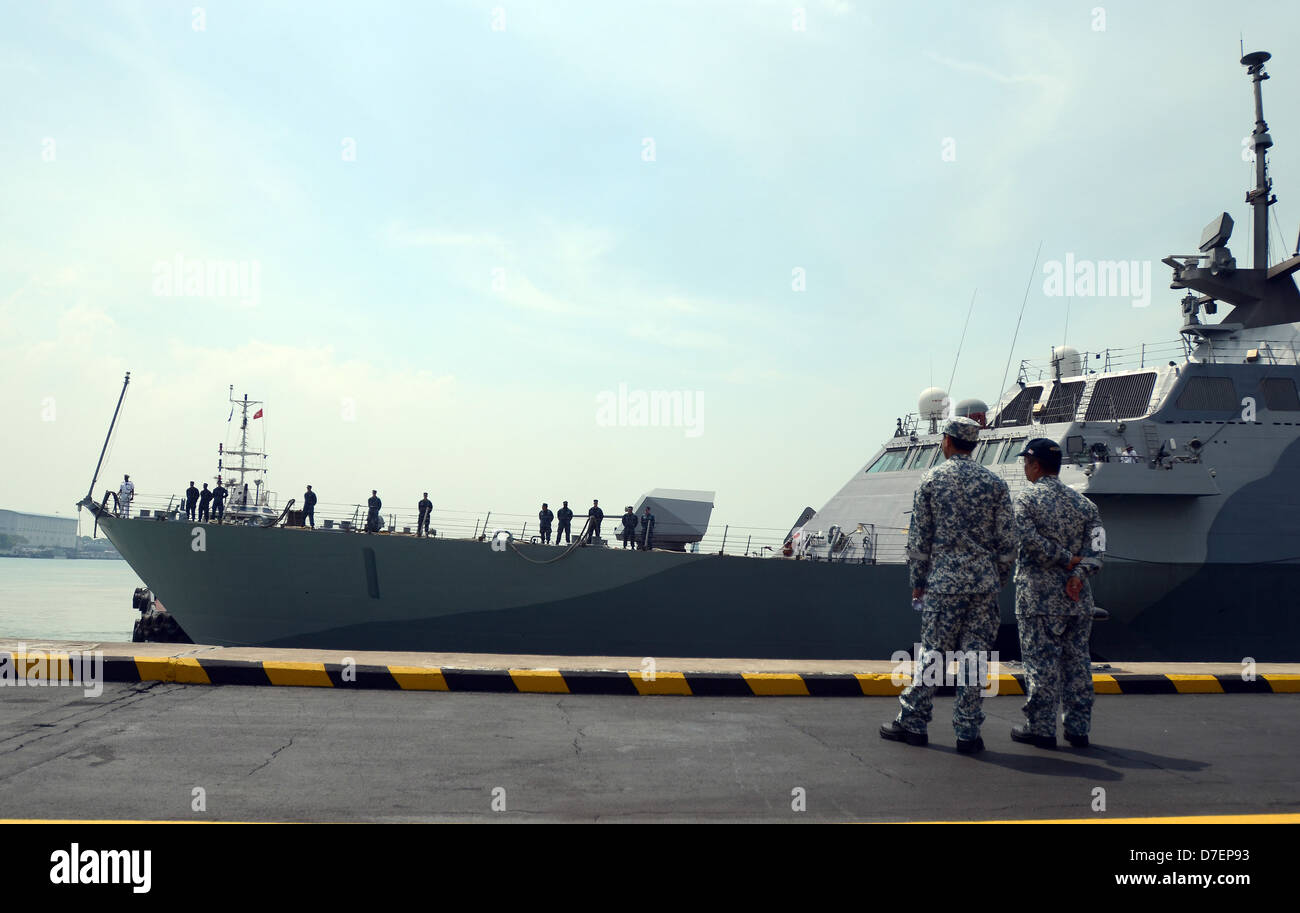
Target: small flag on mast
{"x": 259, "y": 414}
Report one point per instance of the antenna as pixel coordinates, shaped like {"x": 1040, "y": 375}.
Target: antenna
{"x": 1033, "y": 270}
{"x": 1259, "y": 197}
{"x": 963, "y": 339}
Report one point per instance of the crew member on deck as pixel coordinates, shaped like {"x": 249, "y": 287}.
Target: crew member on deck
{"x": 205, "y": 499}
{"x": 309, "y": 508}
{"x": 124, "y": 496}
{"x": 594, "y": 518}
{"x": 426, "y": 510}
{"x": 544, "y": 518}
{"x": 647, "y": 530}
{"x": 373, "y": 523}
{"x": 565, "y": 516}
{"x": 219, "y": 501}
{"x": 191, "y": 501}
{"x": 629, "y": 529}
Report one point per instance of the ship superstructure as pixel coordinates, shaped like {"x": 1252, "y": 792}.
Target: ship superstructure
{"x": 1202, "y": 558}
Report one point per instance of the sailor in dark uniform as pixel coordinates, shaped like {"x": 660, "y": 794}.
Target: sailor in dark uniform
{"x": 544, "y": 517}
{"x": 309, "y": 508}
{"x": 205, "y": 499}
{"x": 647, "y": 530}
{"x": 629, "y": 529}
{"x": 191, "y": 501}
{"x": 426, "y": 510}
{"x": 594, "y": 518}
{"x": 219, "y": 501}
{"x": 373, "y": 523}
{"x": 565, "y": 516}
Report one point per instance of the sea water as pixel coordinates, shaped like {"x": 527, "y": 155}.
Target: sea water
{"x": 67, "y": 599}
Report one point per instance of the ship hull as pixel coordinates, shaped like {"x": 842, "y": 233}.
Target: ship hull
{"x": 240, "y": 585}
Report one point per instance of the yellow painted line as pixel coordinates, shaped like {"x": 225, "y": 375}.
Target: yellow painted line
{"x": 662, "y": 683}
{"x": 183, "y": 669}
{"x": 418, "y": 678}
{"x": 59, "y": 664}
{"x": 1287, "y": 818}
{"x": 776, "y": 684}
{"x": 1195, "y": 684}
{"x": 153, "y": 668}
{"x": 1105, "y": 684}
{"x": 539, "y": 681}
{"x": 1007, "y": 684}
{"x": 188, "y": 671}
{"x": 299, "y": 674}
{"x": 880, "y": 684}
{"x": 1283, "y": 683}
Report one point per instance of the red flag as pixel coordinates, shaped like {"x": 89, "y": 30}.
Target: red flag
{"x": 259, "y": 414}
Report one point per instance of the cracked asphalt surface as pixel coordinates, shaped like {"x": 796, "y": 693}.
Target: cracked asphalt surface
{"x": 303, "y": 754}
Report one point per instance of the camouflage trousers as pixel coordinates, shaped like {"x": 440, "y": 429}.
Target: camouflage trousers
{"x": 1058, "y": 670}
{"x": 949, "y": 622}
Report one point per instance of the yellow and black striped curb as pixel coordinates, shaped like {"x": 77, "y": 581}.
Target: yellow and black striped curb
{"x": 199, "y": 671}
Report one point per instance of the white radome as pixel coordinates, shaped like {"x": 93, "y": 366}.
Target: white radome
{"x": 1069, "y": 360}
{"x": 933, "y": 403}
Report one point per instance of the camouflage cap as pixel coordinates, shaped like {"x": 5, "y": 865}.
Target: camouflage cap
{"x": 962, "y": 429}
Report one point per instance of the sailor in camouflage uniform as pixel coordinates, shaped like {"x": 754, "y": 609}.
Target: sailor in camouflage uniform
{"x": 960, "y": 547}
{"x": 1061, "y": 542}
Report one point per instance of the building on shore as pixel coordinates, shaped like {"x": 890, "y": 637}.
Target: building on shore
{"x": 36, "y": 531}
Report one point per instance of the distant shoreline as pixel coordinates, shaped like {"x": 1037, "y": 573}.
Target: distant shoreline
{"x": 67, "y": 557}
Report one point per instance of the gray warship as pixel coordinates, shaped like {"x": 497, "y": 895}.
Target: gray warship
{"x": 1202, "y": 518}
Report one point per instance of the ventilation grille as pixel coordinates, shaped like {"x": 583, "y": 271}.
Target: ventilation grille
{"x": 1120, "y": 397}
{"x": 1017, "y": 411}
{"x": 1063, "y": 402}
{"x": 1280, "y": 394}
{"x": 1208, "y": 394}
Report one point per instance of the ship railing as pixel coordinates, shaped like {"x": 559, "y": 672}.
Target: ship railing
{"x": 1111, "y": 359}
{"x": 887, "y": 544}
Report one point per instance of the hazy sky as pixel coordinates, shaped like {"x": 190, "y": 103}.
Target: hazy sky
{"x": 462, "y": 224}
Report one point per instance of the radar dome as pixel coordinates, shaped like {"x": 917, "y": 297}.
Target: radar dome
{"x": 1068, "y": 360}
{"x": 933, "y": 403}
{"x": 975, "y": 409}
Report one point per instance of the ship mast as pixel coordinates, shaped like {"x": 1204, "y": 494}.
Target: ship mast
{"x": 1259, "y": 197}
{"x": 243, "y": 452}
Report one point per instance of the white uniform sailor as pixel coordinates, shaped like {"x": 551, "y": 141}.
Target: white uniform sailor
{"x": 124, "y": 496}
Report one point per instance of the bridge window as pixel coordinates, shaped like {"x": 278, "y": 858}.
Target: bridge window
{"x": 1014, "y": 446}
{"x": 922, "y": 457}
{"x": 889, "y": 461}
